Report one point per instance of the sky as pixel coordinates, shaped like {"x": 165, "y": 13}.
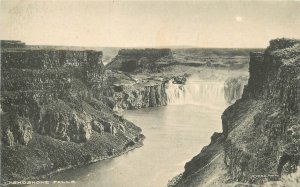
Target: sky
{"x": 221, "y": 24}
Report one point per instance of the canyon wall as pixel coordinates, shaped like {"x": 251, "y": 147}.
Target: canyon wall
{"x": 54, "y": 114}
{"x": 261, "y": 131}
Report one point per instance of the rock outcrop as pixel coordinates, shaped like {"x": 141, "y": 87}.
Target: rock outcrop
{"x": 131, "y": 91}
{"x": 260, "y": 138}
{"x": 19, "y": 132}
{"x": 54, "y": 113}
{"x": 141, "y": 96}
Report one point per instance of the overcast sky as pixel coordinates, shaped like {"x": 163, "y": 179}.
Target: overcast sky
{"x": 130, "y": 24}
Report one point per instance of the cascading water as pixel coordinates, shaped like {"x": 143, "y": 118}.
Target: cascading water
{"x": 196, "y": 92}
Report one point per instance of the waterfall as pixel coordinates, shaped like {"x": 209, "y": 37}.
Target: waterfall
{"x": 196, "y": 92}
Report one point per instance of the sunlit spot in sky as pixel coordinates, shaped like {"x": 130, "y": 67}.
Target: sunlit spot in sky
{"x": 238, "y": 18}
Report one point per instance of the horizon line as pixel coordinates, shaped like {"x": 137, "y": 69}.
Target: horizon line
{"x": 132, "y": 47}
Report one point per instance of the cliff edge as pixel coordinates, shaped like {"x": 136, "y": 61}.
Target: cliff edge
{"x": 260, "y": 141}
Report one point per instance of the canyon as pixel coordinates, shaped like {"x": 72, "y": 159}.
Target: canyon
{"x": 62, "y": 108}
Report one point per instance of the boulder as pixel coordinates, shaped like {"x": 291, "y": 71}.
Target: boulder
{"x": 294, "y": 132}
{"x": 55, "y": 124}
{"x": 98, "y": 127}
{"x": 109, "y": 127}
{"x": 8, "y": 138}
{"x": 21, "y": 130}
{"x": 113, "y": 130}
{"x": 80, "y": 131}
{"x": 122, "y": 128}
{"x": 179, "y": 79}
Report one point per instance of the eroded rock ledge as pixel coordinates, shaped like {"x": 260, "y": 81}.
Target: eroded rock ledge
{"x": 261, "y": 131}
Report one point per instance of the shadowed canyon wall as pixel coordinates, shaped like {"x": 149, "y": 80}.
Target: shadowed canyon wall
{"x": 261, "y": 131}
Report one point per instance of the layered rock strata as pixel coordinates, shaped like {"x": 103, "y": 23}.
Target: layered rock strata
{"x": 54, "y": 114}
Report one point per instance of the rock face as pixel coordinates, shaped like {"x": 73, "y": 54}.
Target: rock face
{"x": 40, "y": 92}
{"x": 141, "y": 96}
{"x": 261, "y": 130}
{"x": 98, "y": 127}
{"x": 66, "y": 125}
{"x": 54, "y": 113}
{"x": 19, "y": 132}
{"x": 233, "y": 88}
{"x": 131, "y": 91}
{"x": 139, "y": 60}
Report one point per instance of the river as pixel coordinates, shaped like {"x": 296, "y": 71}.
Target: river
{"x": 174, "y": 134}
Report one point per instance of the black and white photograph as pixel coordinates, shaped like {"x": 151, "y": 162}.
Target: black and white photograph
{"x": 150, "y": 93}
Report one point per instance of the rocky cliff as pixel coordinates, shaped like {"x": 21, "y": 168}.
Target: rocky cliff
{"x": 55, "y": 115}
{"x": 261, "y": 131}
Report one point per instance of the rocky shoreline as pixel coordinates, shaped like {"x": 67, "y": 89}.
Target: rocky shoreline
{"x": 59, "y": 170}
